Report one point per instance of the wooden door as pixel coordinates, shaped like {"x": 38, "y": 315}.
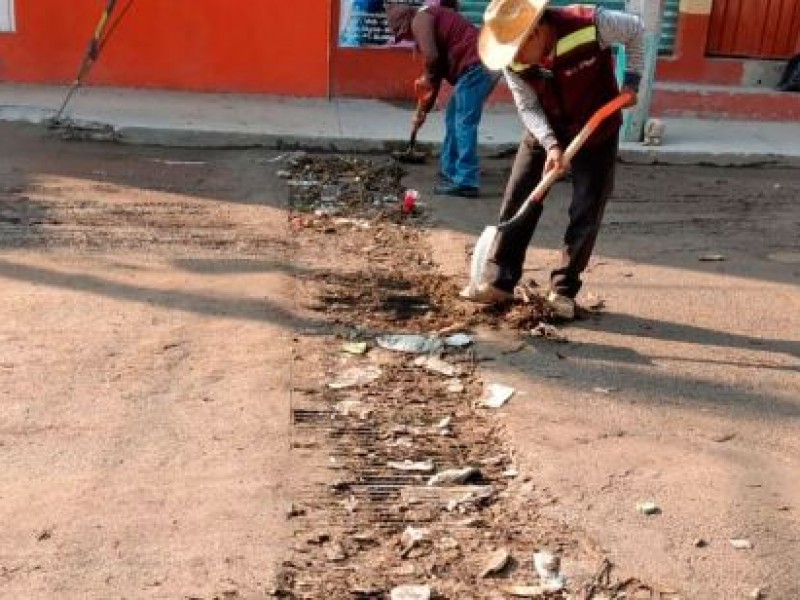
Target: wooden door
{"x": 754, "y": 28}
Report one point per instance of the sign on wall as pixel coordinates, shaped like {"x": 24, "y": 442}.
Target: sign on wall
{"x": 363, "y": 22}
{"x": 6, "y": 15}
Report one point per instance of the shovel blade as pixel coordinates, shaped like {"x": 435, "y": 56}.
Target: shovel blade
{"x": 481, "y": 254}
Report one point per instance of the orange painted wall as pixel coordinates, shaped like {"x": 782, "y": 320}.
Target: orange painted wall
{"x": 263, "y": 46}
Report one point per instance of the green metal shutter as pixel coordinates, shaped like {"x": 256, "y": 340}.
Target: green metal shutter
{"x": 473, "y": 10}
{"x": 669, "y": 27}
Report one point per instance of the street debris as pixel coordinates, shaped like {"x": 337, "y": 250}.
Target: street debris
{"x": 742, "y": 544}
{"x": 410, "y": 198}
{"x": 411, "y": 592}
{"x": 412, "y": 344}
{"x": 458, "y": 340}
{"x": 355, "y": 377}
{"x": 526, "y": 591}
{"x": 409, "y": 466}
{"x": 454, "y": 386}
{"x": 421, "y": 476}
{"x": 711, "y": 258}
{"x": 548, "y": 332}
{"x": 496, "y": 563}
{"x": 496, "y": 395}
{"x": 412, "y": 538}
{"x": 595, "y": 303}
{"x": 455, "y": 476}
{"x": 356, "y": 348}
{"x": 648, "y": 508}
{"x": 434, "y": 364}
{"x": 605, "y": 390}
{"x": 548, "y": 566}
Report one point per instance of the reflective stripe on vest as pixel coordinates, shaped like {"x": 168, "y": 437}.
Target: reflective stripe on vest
{"x": 583, "y": 36}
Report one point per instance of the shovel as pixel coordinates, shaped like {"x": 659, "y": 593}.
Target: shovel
{"x": 487, "y": 239}
{"x": 410, "y": 155}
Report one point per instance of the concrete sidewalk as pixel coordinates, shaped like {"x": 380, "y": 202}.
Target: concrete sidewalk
{"x": 354, "y": 125}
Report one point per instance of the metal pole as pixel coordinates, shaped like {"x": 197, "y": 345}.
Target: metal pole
{"x": 651, "y": 12}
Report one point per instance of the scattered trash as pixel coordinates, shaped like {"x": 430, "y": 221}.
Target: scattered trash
{"x": 526, "y": 591}
{"x": 595, "y": 303}
{"x": 458, "y": 340}
{"x": 495, "y": 564}
{"x": 455, "y": 476}
{"x": 413, "y": 537}
{"x": 454, "y": 386}
{"x": 511, "y": 473}
{"x": 653, "y": 132}
{"x": 548, "y": 332}
{"x": 548, "y": 567}
{"x": 602, "y": 390}
{"x": 712, "y": 258}
{"x": 425, "y": 466}
{"x": 436, "y": 365}
{"x": 742, "y": 544}
{"x": 414, "y": 344}
{"x": 648, "y": 508}
{"x": 356, "y": 348}
{"x": 496, "y": 395}
{"x": 354, "y": 407}
{"x": 758, "y": 594}
{"x": 356, "y": 376}
{"x": 411, "y": 592}
{"x": 335, "y": 552}
{"x": 409, "y": 201}
{"x": 478, "y": 496}
{"x": 448, "y": 543}
{"x": 445, "y": 423}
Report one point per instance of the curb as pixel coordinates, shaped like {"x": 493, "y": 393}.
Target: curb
{"x": 197, "y": 138}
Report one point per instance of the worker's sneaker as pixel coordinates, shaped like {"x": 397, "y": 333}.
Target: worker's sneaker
{"x": 562, "y": 306}
{"x": 453, "y": 189}
{"x": 485, "y": 293}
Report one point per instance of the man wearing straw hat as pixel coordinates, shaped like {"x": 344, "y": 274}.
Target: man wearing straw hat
{"x": 560, "y": 69}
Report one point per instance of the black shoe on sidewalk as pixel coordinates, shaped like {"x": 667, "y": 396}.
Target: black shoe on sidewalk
{"x": 452, "y": 189}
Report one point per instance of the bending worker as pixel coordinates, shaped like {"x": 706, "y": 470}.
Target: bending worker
{"x": 449, "y": 44}
{"x": 560, "y": 69}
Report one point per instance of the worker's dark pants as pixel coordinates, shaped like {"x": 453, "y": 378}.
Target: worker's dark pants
{"x": 592, "y": 184}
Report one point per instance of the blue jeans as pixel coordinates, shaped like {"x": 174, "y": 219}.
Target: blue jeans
{"x": 459, "y": 159}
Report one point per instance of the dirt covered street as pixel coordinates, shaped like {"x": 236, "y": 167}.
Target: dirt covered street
{"x": 204, "y": 394}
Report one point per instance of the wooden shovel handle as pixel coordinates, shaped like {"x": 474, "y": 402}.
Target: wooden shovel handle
{"x": 538, "y": 194}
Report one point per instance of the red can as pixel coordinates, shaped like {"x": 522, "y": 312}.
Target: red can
{"x": 409, "y": 201}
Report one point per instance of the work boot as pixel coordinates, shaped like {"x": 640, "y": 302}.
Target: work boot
{"x": 453, "y": 189}
{"x": 562, "y": 306}
{"x": 485, "y": 293}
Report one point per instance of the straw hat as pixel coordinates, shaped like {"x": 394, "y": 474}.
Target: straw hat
{"x": 505, "y": 25}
